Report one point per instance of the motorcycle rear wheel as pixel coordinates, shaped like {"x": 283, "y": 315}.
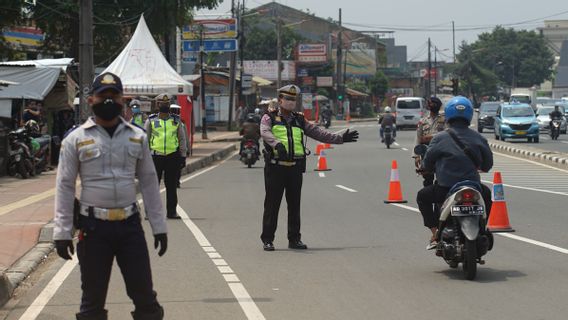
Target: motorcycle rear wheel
{"x": 470, "y": 259}
{"x": 22, "y": 170}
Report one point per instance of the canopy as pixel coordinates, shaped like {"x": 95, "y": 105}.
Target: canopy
{"x": 62, "y": 63}
{"x": 32, "y": 83}
{"x": 143, "y": 69}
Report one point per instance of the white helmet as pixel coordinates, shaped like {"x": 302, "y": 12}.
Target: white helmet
{"x": 388, "y": 110}
{"x": 257, "y": 111}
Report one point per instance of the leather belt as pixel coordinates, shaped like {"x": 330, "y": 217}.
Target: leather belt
{"x": 283, "y": 163}
{"x": 113, "y": 214}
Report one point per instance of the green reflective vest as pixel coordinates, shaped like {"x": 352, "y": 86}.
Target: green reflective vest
{"x": 138, "y": 120}
{"x": 164, "y": 138}
{"x": 291, "y": 135}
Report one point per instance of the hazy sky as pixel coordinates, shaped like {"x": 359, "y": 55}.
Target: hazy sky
{"x": 415, "y": 20}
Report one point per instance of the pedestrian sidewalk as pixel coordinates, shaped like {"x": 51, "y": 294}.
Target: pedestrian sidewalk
{"x": 26, "y": 209}
{"x": 553, "y": 158}
{"x": 217, "y": 136}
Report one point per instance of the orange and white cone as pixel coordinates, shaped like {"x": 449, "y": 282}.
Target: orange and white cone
{"x": 395, "y": 190}
{"x": 319, "y": 149}
{"x": 327, "y": 146}
{"x": 322, "y": 163}
{"x": 499, "y": 218}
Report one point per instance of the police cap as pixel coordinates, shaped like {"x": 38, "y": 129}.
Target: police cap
{"x": 106, "y": 81}
{"x": 163, "y": 98}
{"x": 289, "y": 90}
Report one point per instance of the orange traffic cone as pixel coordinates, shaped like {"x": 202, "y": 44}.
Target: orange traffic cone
{"x": 327, "y": 146}
{"x": 499, "y": 218}
{"x": 322, "y": 163}
{"x": 319, "y": 148}
{"x": 395, "y": 191}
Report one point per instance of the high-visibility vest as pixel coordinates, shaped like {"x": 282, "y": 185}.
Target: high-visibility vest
{"x": 164, "y": 137}
{"x": 291, "y": 135}
{"x": 138, "y": 120}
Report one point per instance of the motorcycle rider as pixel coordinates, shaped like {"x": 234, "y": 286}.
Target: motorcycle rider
{"x": 428, "y": 126}
{"x": 387, "y": 119}
{"x": 555, "y": 115}
{"x": 452, "y": 164}
{"x": 326, "y": 113}
{"x": 251, "y": 131}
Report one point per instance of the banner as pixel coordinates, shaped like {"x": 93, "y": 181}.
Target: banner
{"x": 309, "y": 53}
{"x": 212, "y": 29}
{"x": 268, "y": 69}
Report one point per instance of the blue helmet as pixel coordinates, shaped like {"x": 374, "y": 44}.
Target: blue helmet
{"x": 459, "y": 107}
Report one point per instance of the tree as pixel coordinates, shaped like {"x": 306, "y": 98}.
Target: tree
{"x": 379, "y": 84}
{"x": 261, "y": 38}
{"x": 472, "y": 73}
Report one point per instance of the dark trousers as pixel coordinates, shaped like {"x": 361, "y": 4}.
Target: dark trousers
{"x": 277, "y": 180}
{"x": 99, "y": 243}
{"x": 428, "y": 179}
{"x": 436, "y": 194}
{"x": 170, "y": 166}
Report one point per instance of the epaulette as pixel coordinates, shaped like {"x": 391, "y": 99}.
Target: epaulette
{"x": 153, "y": 115}
{"x": 70, "y": 130}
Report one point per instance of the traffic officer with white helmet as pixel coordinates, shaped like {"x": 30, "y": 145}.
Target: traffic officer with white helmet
{"x": 108, "y": 153}
{"x": 175, "y": 110}
{"x": 283, "y": 132}
{"x": 169, "y": 149}
{"x": 137, "y": 115}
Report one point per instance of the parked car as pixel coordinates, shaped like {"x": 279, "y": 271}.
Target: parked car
{"x": 409, "y": 110}
{"x": 516, "y": 121}
{"x": 486, "y": 115}
{"x": 543, "y": 117}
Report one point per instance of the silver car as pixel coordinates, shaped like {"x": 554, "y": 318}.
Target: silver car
{"x": 543, "y": 117}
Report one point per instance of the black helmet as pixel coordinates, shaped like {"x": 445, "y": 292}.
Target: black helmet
{"x": 436, "y": 101}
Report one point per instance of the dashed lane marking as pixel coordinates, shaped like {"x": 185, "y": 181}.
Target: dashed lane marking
{"x": 321, "y": 174}
{"x": 345, "y": 188}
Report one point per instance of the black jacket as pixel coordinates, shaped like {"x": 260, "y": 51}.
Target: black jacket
{"x": 450, "y": 163}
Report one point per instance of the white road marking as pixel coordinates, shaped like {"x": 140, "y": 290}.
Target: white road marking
{"x": 33, "y": 310}
{"x": 396, "y": 144}
{"x": 404, "y": 149}
{"x": 564, "y": 142}
{"x": 321, "y": 174}
{"x": 345, "y": 188}
{"x": 506, "y": 235}
{"x": 247, "y": 304}
{"x": 49, "y": 291}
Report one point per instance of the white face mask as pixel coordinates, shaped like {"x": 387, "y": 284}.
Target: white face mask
{"x": 288, "y": 105}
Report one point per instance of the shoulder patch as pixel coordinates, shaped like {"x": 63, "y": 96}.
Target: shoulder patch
{"x": 83, "y": 143}
{"x": 136, "y": 140}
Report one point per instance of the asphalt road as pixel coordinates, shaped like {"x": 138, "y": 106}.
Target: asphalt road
{"x": 366, "y": 260}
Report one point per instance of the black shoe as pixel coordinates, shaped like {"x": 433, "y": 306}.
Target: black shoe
{"x": 174, "y": 217}
{"x": 268, "y": 246}
{"x": 297, "y": 245}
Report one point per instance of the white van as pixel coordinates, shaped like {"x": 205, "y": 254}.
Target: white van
{"x": 409, "y": 110}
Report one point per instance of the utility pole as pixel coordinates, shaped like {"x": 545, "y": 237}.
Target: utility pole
{"x": 232, "y": 72}
{"x": 202, "y": 86}
{"x": 86, "y": 70}
{"x": 429, "y": 89}
{"x": 241, "y": 49}
{"x": 338, "y": 72}
{"x": 435, "y": 70}
{"x": 278, "y": 49}
{"x": 454, "y": 39}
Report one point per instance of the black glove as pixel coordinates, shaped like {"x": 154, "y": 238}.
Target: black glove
{"x": 282, "y": 153}
{"x": 64, "y": 248}
{"x": 162, "y": 241}
{"x": 182, "y": 162}
{"x": 350, "y": 136}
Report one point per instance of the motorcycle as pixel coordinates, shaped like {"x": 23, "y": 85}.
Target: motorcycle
{"x": 326, "y": 122}
{"x": 20, "y": 159}
{"x": 40, "y": 151}
{"x": 388, "y": 135}
{"x": 555, "y": 129}
{"x": 250, "y": 153}
{"x": 462, "y": 233}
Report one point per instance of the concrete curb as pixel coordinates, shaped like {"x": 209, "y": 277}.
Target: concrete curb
{"x": 11, "y": 278}
{"x": 551, "y": 158}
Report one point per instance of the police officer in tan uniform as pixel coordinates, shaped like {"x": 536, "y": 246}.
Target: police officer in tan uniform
{"x": 428, "y": 126}
{"x": 108, "y": 153}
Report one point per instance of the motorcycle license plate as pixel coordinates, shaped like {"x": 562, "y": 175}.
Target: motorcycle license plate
{"x": 520, "y": 133}
{"x": 461, "y": 211}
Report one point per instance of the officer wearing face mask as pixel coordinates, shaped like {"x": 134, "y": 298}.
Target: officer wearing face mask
{"x": 108, "y": 153}
{"x": 283, "y": 132}
{"x": 169, "y": 148}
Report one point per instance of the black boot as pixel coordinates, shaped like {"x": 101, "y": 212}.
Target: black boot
{"x": 156, "y": 315}
{"x": 100, "y": 316}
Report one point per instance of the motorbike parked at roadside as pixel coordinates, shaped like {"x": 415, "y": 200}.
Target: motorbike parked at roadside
{"x": 462, "y": 232}
{"x": 20, "y": 160}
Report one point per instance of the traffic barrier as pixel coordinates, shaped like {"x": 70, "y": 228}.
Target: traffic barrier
{"x": 395, "y": 190}
{"x": 322, "y": 163}
{"x": 319, "y": 148}
{"x": 499, "y": 218}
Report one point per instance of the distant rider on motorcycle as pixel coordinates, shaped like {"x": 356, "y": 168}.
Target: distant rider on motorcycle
{"x": 251, "y": 130}
{"x": 555, "y": 115}
{"x": 452, "y": 163}
{"x": 387, "y": 119}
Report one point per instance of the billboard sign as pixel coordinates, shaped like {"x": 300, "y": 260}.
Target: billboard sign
{"x": 222, "y": 45}
{"x": 312, "y": 52}
{"x": 268, "y": 69}
{"x": 212, "y": 29}
{"x": 324, "y": 81}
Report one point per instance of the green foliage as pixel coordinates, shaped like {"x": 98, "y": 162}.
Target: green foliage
{"x": 379, "y": 84}
{"x": 504, "y": 57}
{"x": 261, "y": 43}
{"x": 114, "y": 22}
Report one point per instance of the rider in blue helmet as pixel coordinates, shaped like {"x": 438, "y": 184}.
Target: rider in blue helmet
{"x": 451, "y": 163}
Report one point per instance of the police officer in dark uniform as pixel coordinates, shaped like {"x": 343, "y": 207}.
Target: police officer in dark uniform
{"x": 108, "y": 153}
{"x": 169, "y": 149}
{"x": 283, "y": 132}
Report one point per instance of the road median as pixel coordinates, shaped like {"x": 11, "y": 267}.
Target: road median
{"x": 552, "y": 158}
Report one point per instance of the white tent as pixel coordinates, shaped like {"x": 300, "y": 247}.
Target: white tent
{"x": 143, "y": 69}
